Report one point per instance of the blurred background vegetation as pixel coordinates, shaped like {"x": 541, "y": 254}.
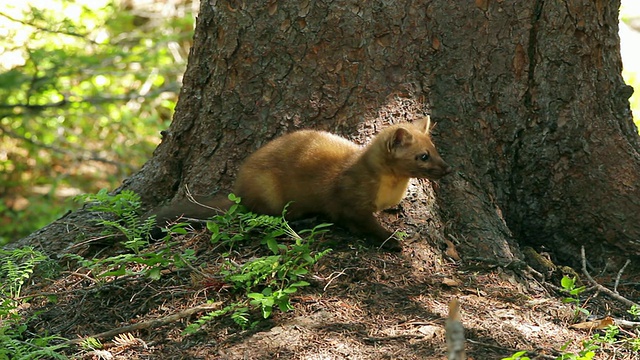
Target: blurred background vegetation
{"x": 87, "y": 85}
{"x": 85, "y": 88}
{"x": 629, "y": 48}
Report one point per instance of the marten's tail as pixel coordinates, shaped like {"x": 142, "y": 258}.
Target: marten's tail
{"x": 197, "y": 208}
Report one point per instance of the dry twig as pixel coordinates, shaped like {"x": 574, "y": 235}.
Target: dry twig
{"x": 615, "y": 286}
{"x": 151, "y": 323}
{"x": 600, "y": 287}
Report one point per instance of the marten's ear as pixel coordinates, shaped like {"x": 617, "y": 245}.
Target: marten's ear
{"x": 401, "y": 137}
{"x": 423, "y": 124}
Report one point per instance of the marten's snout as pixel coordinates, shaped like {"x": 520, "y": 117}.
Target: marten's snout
{"x": 439, "y": 171}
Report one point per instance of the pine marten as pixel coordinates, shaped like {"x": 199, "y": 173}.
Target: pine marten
{"x": 324, "y": 174}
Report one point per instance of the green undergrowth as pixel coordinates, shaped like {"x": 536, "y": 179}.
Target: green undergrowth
{"x": 268, "y": 281}
{"x": 260, "y": 261}
{"x": 16, "y": 340}
{"x": 608, "y": 339}
{"x": 264, "y": 282}
{"x": 260, "y": 283}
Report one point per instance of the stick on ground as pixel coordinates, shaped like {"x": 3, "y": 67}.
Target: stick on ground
{"x": 600, "y": 287}
{"x": 151, "y": 323}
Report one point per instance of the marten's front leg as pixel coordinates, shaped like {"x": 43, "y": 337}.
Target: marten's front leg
{"x": 367, "y": 224}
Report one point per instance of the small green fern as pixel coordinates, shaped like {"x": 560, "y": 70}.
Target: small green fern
{"x": 120, "y": 214}
{"x": 266, "y": 281}
{"x": 16, "y": 267}
{"x": 12, "y": 347}
{"x": 124, "y": 216}
{"x": 239, "y": 314}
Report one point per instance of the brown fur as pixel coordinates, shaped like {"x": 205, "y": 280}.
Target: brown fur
{"x": 321, "y": 173}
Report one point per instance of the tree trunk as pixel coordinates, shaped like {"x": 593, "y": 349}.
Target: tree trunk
{"x": 530, "y": 106}
{"x": 537, "y": 120}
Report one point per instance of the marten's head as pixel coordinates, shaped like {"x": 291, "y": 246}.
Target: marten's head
{"x": 411, "y": 153}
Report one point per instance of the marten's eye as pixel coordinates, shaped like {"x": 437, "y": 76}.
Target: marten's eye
{"x": 423, "y": 157}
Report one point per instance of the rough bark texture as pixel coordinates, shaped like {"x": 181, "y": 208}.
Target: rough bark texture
{"x": 534, "y": 112}
{"x": 530, "y": 105}
{"x": 583, "y": 186}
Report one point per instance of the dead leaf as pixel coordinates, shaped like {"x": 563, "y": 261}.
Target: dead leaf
{"x": 451, "y": 282}
{"x": 431, "y": 331}
{"x": 595, "y": 324}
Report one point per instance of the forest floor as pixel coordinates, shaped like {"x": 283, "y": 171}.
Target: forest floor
{"x": 362, "y": 304}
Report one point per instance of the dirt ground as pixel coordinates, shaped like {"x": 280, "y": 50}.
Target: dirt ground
{"x": 362, "y": 304}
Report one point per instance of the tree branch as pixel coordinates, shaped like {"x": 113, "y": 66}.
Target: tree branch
{"x": 60, "y": 32}
{"x": 72, "y": 153}
{"x": 93, "y": 100}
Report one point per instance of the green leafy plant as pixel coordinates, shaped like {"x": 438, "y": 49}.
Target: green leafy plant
{"x": 232, "y": 226}
{"x": 126, "y": 218}
{"x": 16, "y": 267}
{"x": 610, "y": 336}
{"x": 238, "y": 311}
{"x": 611, "y": 332}
{"x": 588, "y": 351}
{"x": 520, "y": 355}
{"x": 276, "y": 276}
{"x": 569, "y": 285}
{"x": 12, "y": 345}
{"x": 266, "y": 281}
{"x": 120, "y": 214}
{"x": 613, "y": 336}
{"x": 91, "y": 343}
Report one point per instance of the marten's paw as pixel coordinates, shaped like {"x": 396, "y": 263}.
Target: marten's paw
{"x": 157, "y": 233}
{"x": 391, "y": 245}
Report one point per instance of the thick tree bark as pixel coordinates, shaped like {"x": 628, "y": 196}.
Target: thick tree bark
{"x": 538, "y": 86}
{"x": 530, "y": 105}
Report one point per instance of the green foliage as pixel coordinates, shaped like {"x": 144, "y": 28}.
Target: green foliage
{"x": 126, "y": 209}
{"x": 598, "y": 341}
{"x": 16, "y": 267}
{"x": 520, "y": 355}
{"x": 91, "y": 343}
{"x": 239, "y": 313}
{"x": 610, "y": 334}
{"x": 120, "y": 215}
{"x": 634, "y": 343}
{"x": 569, "y": 285}
{"x": 85, "y": 87}
{"x": 12, "y": 347}
{"x": 231, "y": 227}
{"x": 635, "y": 311}
{"x": 266, "y": 281}
{"x": 613, "y": 336}
{"x": 587, "y": 353}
